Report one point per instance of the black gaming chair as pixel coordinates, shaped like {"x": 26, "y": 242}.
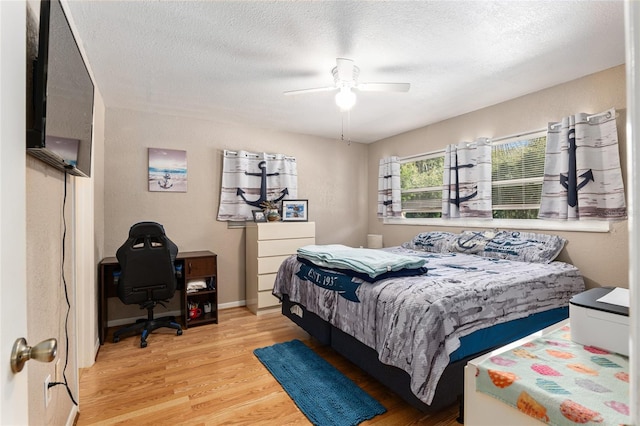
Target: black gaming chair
{"x": 147, "y": 277}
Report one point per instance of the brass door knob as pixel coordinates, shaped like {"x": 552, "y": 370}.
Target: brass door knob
{"x": 44, "y": 351}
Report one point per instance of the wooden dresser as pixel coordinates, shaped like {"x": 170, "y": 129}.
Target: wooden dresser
{"x": 268, "y": 244}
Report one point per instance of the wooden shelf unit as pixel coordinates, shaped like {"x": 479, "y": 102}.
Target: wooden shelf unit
{"x": 201, "y": 268}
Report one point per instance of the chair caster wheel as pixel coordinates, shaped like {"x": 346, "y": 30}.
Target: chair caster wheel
{"x": 179, "y": 333}
{"x": 116, "y": 339}
{"x": 143, "y": 344}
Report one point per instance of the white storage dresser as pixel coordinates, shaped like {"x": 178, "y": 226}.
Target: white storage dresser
{"x": 268, "y": 244}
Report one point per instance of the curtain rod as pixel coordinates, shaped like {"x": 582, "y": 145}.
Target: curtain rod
{"x": 409, "y": 157}
{"x": 518, "y": 135}
{"x": 251, "y": 154}
{"x": 607, "y": 114}
{"x": 501, "y": 138}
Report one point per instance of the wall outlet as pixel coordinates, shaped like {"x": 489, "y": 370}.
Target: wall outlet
{"x": 47, "y": 391}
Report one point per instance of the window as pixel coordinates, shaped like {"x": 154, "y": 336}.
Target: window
{"x": 517, "y": 172}
{"x": 421, "y": 184}
{"x": 516, "y": 177}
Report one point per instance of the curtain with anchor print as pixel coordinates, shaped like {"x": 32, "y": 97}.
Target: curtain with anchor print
{"x": 389, "y": 188}
{"x": 582, "y": 177}
{"x": 248, "y": 179}
{"x": 467, "y": 180}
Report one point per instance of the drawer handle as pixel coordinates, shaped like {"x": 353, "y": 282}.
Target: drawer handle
{"x": 189, "y": 267}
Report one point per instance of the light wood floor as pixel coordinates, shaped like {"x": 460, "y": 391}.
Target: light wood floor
{"x": 209, "y": 376}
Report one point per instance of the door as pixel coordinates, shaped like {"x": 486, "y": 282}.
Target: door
{"x": 632, "y": 16}
{"x": 13, "y": 281}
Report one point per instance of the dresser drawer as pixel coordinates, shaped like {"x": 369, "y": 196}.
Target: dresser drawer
{"x": 267, "y": 245}
{"x": 265, "y": 282}
{"x": 280, "y": 247}
{"x": 286, "y": 230}
{"x": 200, "y": 267}
{"x": 266, "y": 299}
{"x": 268, "y": 265}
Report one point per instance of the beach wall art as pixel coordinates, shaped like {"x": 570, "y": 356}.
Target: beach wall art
{"x": 167, "y": 170}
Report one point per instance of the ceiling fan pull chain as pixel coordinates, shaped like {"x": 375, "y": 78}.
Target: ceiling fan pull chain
{"x": 348, "y": 114}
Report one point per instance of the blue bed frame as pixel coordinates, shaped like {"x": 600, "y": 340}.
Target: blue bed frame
{"x": 451, "y": 384}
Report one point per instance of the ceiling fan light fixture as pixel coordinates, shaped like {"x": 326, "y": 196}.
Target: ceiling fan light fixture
{"x": 345, "y": 98}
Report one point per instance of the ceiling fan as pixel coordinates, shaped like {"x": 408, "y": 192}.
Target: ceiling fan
{"x": 345, "y": 77}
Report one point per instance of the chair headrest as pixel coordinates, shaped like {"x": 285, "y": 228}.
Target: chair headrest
{"x": 151, "y": 229}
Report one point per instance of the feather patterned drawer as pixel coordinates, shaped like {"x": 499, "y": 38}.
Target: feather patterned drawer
{"x": 557, "y": 381}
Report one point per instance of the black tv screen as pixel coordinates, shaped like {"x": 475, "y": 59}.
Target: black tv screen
{"x": 62, "y": 97}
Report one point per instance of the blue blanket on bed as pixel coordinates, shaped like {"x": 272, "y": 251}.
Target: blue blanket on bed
{"x": 355, "y": 274}
{"x": 365, "y": 261}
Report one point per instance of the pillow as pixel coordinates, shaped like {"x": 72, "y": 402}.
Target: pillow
{"x": 524, "y": 246}
{"x": 435, "y": 242}
{"x": 472, "y": 242}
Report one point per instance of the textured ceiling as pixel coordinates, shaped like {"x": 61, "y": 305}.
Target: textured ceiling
{"x": 231, "y": 61}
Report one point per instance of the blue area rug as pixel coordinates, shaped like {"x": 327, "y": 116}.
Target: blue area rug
{"x": 323, "y": 394}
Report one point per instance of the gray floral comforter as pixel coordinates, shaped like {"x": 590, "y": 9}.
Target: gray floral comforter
{"x": 414, "y": 323}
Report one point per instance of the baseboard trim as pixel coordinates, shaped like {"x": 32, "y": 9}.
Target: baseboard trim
{"x": 73, "y": 414}
{"x": 125, "y": 321}
{"x": 235, "y": 304}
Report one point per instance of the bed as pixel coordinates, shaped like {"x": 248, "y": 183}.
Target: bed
{"x": 414, "y": 332}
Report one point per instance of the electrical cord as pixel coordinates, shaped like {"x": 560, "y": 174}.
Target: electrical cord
{"x": 66, "y": 296}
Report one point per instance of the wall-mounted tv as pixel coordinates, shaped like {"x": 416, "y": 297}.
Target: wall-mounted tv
{"x": 62, "y": 97}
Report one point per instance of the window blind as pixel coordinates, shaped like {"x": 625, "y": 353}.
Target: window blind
{"x": 517, "y": 172}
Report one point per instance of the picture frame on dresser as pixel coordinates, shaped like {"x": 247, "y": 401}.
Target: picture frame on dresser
{"x": 259, "y": 216}
{"x": 295, "y": 210}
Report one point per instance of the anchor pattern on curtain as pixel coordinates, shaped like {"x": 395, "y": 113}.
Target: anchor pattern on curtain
{"x": 249, "y": 178}
{"x": 467, "y": 180}
{"x": 582, "y": 176}
{"x": 389, "y": 188}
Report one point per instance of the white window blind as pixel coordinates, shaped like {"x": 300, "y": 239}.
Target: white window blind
{"x": 517, "y": 174}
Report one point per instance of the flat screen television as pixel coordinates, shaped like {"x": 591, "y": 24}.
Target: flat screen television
{"x": 61, "y": 132}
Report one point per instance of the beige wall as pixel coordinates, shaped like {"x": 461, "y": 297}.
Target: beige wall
{"x": 331, "y": 175}
{"x": 46, "y": 307}
{"x": 602, "y": 257}
{"x": 46, "y": 300}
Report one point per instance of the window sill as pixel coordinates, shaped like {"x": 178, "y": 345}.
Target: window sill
{"x": 520, "y": 224}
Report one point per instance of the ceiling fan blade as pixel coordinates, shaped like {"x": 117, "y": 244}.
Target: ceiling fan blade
{"x": 345, "y": 76}
{"x": 314, "y": 90}
{"x": 383, "y": 87}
